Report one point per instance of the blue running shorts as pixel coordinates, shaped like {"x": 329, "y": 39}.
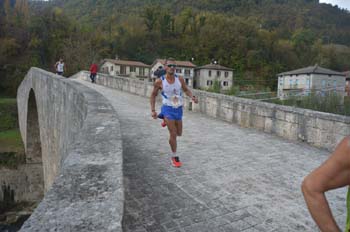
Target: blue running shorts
{"x": 171, "y": 113}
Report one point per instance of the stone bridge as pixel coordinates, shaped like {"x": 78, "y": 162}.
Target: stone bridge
{"x": 105, "y": 166}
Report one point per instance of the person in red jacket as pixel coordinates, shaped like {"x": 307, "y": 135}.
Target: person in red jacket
{"x": 93, "y": 72}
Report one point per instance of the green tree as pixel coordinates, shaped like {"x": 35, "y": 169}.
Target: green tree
{"x": 302, "y": 41}
{"x": 150, "y": 17}
{"x": 215, "y": 88}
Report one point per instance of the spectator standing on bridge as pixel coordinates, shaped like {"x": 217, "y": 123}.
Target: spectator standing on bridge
{"x": 59, "y": 67}
{"x": 93, "y": 72}
{"x": 160, "y": 72}
{"x": 333, "y": 173}
{"x": 172, "y": 87}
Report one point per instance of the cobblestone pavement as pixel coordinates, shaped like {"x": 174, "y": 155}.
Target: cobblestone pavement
{"x": 232, "y": 179}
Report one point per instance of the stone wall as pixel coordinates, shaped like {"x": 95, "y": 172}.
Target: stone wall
{"x": 25, "y": 183}
{"x": 73, "y": 132}
{"x": 323, "y": 130}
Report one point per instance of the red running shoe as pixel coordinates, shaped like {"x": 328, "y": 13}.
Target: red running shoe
{"x": 176, "y": 161}
{"x": 163, "y": 123}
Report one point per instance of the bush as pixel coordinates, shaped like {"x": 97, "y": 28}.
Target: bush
{"x": 234, "y": 90}
{"x": 8, "y": 114}
{"x": 330, "y": 102}
{"x": 11, "y": 159}
{"x": 215, "y": 88}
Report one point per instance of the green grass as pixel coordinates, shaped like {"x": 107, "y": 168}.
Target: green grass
{"x": 7, "y": 101}
{"x": 11, "y": 141}
{"x": 11, "y": 149}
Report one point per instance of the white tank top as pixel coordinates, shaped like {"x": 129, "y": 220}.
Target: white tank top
{"x": 60, "y": 67}
{"x": 172, "y": 93}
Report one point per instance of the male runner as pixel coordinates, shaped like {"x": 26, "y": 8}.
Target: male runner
{"x": 172, "y": 87}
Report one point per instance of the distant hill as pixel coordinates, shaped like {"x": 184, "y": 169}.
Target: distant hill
{"x": 256, "y": 38}
{"x": 284, "y": 16}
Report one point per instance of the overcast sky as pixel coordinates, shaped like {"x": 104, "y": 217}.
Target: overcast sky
{"x": 340, "y": 3}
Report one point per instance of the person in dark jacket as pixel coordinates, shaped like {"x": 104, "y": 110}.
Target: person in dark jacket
{"x": 159, "y": 72}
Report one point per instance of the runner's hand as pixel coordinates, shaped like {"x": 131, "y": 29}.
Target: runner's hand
{"x": 154, "y": 114}
{"x": 194, "y": 99}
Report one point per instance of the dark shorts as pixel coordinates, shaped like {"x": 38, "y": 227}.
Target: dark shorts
{"x": 60, "y": 73}
{"x": 171, "y": 113}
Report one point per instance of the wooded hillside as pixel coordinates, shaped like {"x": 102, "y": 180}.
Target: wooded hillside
{"x": 258, "y": 38}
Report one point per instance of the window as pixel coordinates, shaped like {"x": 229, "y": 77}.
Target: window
{"x": 218, "y": 73}
{"x": 290, "y": 83}
{"x": 210, "y": 73}
{"x": 308, "y": 83}
{"x": 132, "y": 69}
{"x": 226, "y": 74}
{"x": 178, "y": 70}
{"x": 111, "y": 68}
{"x": 209, "y": 83}
{"x": 141, "y": 71}
{"x": 296, "y": 83}
{"x": 225, "y": 83}
{"x": 323, "y": 84}
{"x": 187, "y": 72}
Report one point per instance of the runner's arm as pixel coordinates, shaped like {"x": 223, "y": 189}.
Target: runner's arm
{"x": 333, "y": 173}
{"x": 187, "y": 90}
{"x": 156, "y": 88}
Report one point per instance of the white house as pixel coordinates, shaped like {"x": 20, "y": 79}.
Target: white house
{"x": 184, "y": 69}
{"x": 125, "y": 68}
{"x": 207, "y": 74}
{"x": 302, "y": 81}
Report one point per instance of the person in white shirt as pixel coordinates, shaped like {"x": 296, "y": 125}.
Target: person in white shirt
{"x": 59, "y": 67}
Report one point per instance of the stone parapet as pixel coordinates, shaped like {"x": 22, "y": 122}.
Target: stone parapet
{"x": 79, "y": 139}
{"x": 323, "y": 130}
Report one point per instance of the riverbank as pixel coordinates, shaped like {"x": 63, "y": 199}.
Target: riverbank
{"x": 12, "y": 214}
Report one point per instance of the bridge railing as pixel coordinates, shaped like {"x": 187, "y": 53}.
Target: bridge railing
{"x": 319, "y": 129}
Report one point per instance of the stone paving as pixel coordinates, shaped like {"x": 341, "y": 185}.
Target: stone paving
{"x": 232, "y": 179}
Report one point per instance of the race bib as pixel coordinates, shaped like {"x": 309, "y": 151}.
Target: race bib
{"x": 176, "y": 101}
